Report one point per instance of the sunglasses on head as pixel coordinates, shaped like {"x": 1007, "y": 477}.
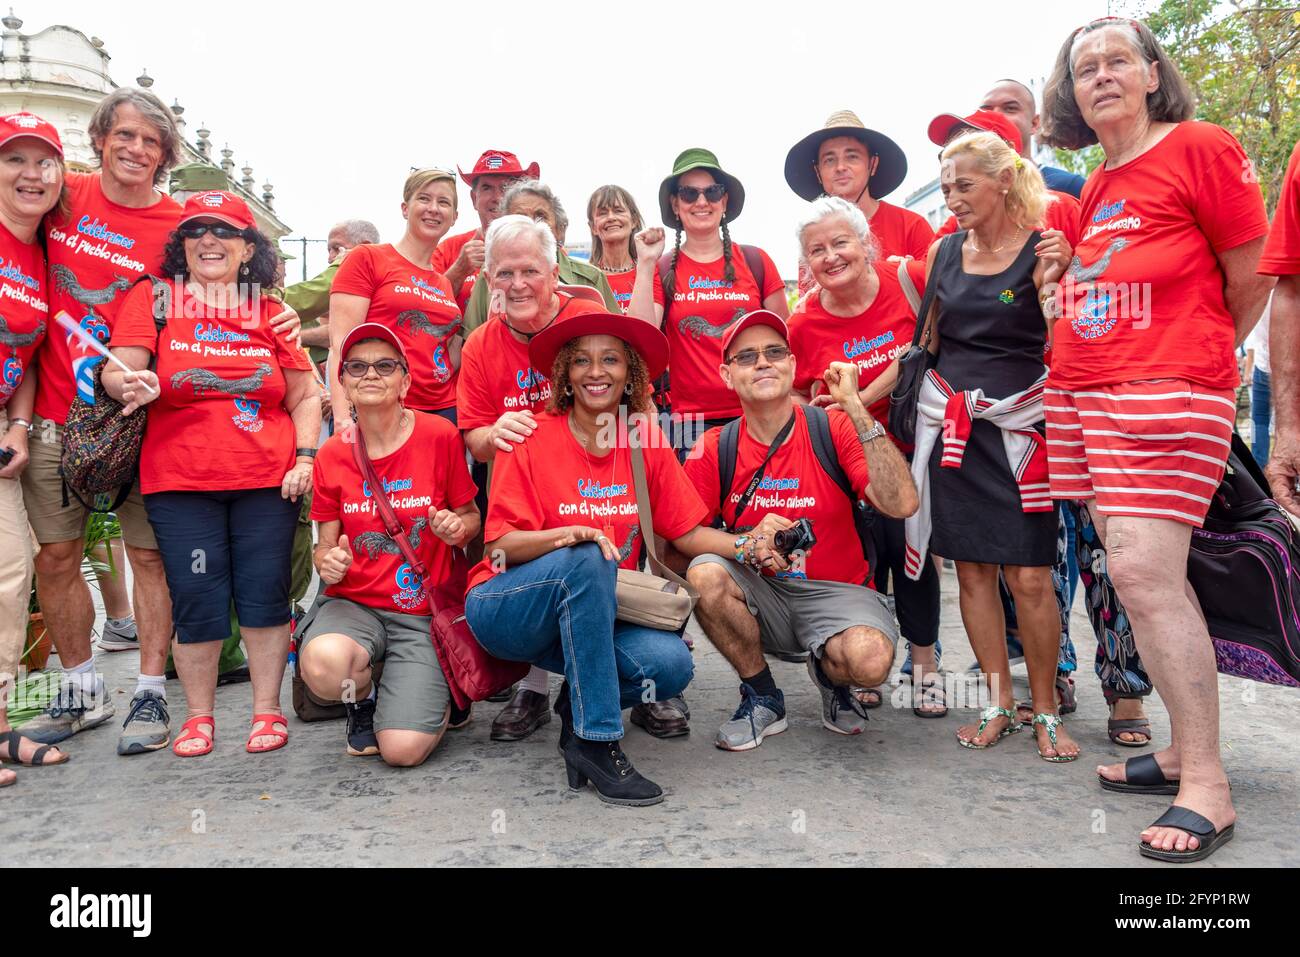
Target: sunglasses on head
{"x": 357, "y": 368}
{"x": 749, "y": 357}
{"x": 220, "y": 230}
{"x": 689, "y": 194}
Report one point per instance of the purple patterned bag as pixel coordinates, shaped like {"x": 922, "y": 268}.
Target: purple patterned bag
{"x": 1244, "y": 566}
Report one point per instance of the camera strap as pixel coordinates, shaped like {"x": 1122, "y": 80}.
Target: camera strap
{"x": 743, "y": 503}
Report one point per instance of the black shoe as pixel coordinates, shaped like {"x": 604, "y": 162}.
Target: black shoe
{"x": 361, "y": 729}
{"x": 660, "y": 719}
{"x": 460, "y": 719}
{"x": 563, "y": 709}
{"x": 501, "y": 697}
{"x": 604, "y": 764}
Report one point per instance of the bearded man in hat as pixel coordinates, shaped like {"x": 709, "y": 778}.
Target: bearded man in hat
{"x": 460, "y": 257}
{"x": 847, "y": 160}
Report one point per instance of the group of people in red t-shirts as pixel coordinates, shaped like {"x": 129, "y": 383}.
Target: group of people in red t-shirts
{"x": 521, "y": 431}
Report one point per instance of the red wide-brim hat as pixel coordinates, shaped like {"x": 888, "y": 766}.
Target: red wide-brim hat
{"x": 499, "y": 163}
{"x": 647, "y": 341}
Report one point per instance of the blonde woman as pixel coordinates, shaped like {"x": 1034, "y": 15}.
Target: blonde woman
{"x": 988, "y": 502}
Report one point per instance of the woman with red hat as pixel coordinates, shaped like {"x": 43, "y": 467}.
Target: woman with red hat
{"x": 708, "y": 283}
{"x": 374, "y": 608}
{"x": 563, "y": 518}
{"x": 31, "y": 184}
{"x": 233, "y": 420}
{"x": 396, "y": 285}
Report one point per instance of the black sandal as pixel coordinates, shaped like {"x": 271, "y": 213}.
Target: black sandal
{"x": 14, "y": 739}
{"x": 1185, "y": 819}
{"x": 1142, "y": 775}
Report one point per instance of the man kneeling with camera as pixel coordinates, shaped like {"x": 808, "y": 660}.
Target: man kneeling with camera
{"x": 787, "y": 478}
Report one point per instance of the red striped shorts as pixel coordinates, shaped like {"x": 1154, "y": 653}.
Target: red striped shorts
{"x": 1152, "y": 449}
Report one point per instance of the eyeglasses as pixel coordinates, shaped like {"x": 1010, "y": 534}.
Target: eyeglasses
{"x": 220, "y": 230}
{"x": 357, "y": 368}
{"x": 433, "y": 169}
{"x": 1104, "y": 22}
{"x": 689, "y": 194}
{"x": 748, "y": 357}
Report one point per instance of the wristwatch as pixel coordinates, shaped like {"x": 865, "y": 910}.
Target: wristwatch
{"x": 309, "y": 453}
{"x": 875, "y": 432}
{"x": 22, "y": 422}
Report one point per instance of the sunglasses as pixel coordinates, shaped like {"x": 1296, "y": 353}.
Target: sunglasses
{"x": 357, "y": 368}
{"x": 689, "y": 194}
{"x": 749, "y": 357}
{"x": 1104, "y": 22}
{"x": 220, "y": 230}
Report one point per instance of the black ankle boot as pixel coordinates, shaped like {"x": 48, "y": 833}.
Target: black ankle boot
{"x": 565, "y": 711}
{"x": 604, "y": 764}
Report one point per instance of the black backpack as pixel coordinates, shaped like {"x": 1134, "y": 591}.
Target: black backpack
{"x": 819, "y": 430}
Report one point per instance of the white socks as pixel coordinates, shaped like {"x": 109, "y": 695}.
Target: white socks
{"x": 536, "y": 680}
{"x": 154, "y": 683}
{"x": 83, "y": 675}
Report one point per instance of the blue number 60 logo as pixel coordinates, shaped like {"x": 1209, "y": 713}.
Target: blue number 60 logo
{"x": 407, "y": 580}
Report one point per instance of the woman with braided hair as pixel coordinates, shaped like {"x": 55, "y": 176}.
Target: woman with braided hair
{"x": 709, "y": 283}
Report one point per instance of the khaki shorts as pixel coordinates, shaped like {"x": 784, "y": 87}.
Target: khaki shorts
{"x": 51, "y": 520}
{"x": 797, "y": 615}
{"x": 413, "y": 694}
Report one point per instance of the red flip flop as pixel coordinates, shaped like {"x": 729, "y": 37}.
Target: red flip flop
{"x": 190, "y": 729}
{"x": 268, "y": 720}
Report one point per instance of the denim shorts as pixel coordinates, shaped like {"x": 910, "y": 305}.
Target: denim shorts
{"x": 219, "y": 547}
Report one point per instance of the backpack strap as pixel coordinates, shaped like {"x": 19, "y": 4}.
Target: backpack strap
{"x": 728, "y": 444}
{"x": 910, "y": 292}
{"x": 666, "y": 277}
{"x": 754, "y": 260}
{"x": 864, "y": 516}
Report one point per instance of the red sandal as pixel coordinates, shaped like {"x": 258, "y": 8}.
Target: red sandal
{"x": 190, "y": 729}
{"x": 268, "y": 720}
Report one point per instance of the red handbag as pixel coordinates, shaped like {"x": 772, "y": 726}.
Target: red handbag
{"x": 472, "y": 674}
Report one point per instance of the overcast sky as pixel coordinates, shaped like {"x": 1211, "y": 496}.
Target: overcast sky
{"x": 334, "y": 102}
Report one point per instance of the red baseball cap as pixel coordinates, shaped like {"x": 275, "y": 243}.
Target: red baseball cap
{"x": 942, "y": 126}
{"x": 219, "y": 205}
{"x": 499, "y": 163}
{"x": 759, "y": 317}
{"x": 15, "y": 125}
{"x": 370, "y": 330}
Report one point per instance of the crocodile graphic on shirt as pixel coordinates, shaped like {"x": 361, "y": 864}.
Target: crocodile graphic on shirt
{"x": 1081, "y": 273}
{"x": 625, "y": 552}
{"x": 417, "y": 322}
{"x": 204, "y": 380}
{"x": 375, "y": 544}
{"x": 697, "y": 326}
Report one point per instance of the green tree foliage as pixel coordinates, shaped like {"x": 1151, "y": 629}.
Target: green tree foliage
{"x": 1242, "y": 59}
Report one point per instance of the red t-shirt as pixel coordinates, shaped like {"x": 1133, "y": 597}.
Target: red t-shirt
{"x": 704, "y": 307}
{"x": 220, "y": 423}
{"x": 426, "y": 472}
{"x": 446, "y": 253}
{"x": 495, "y": 374}
{"x": 624, "y": 282}
{"x": 96, "y": 253}
{"x": 1282, "y": 251}
{"x": 794, "y": 486}
{"x": 872, "y": 339}
{"x": 416, "y": 304}
{"x": 24, "y": 309}
{"x": 1147, "y": 298}
{"x": 897, "y": 232}
{"x": 1062, "y": 213}
{"x": 567, "y": 485}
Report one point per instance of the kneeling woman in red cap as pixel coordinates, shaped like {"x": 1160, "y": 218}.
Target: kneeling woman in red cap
{"x": 228, "y": 450}
{"x": 375, "y": 607}
{"x": 563, "y": 518}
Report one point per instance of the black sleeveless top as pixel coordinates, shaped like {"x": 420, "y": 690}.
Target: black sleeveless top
{"x": 991, "y": 328}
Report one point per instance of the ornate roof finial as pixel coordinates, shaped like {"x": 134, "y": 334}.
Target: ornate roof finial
{"x": 204, "y": 144}
{"x": 247, "y": 182}
{"x": 268, "y": 194}
{"x": 177, "y": 109}
{"x": 144, "y": 80}
{"x": 97, "y": 43}
{"x": 11, "y": 22}
{"x": 227, "y": 162}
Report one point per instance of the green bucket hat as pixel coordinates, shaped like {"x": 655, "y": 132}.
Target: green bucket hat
{"x": 697, "y": 158}
{"x": 197, "y": 178}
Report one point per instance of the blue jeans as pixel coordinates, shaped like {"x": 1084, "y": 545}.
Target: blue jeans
{"x": 557, "y": 612}
{"x": 1261, "y": 414}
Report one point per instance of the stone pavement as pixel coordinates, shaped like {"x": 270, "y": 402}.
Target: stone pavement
{"x": 902, "y": 794}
